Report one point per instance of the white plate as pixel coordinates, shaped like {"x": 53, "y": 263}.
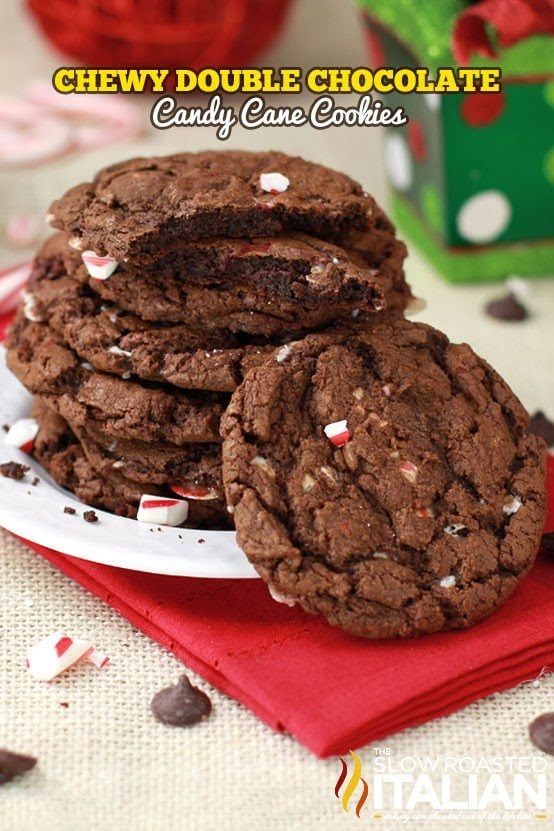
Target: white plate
{"x": 37, "y": 515}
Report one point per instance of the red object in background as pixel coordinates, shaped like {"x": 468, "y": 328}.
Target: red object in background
{"x": 161, "y": 33}
{"x": 513, "y": 20}
{"x": 416, "y": 140}
{"x": 482, "y": 108}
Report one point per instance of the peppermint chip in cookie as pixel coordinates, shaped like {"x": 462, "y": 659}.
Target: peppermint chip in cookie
{"x": 384, "y": 479}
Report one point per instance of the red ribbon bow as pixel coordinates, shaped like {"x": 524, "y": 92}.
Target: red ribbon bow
{"x": 513, "y": 20}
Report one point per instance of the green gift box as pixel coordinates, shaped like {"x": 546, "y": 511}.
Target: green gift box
{"x": 472, "y": 174}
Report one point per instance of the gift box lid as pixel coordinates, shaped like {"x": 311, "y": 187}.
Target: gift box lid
{"x": 425, "y": 29}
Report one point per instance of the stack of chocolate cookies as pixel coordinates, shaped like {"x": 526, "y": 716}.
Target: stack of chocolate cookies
{"x": 168, "y": 279}
{"x": 219, "y": 339}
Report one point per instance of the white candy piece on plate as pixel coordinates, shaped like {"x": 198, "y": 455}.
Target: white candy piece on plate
{"x": 274, "y": 182}
{"x": 162, "y": 510}
{"x": 54, "y": 654}
{"x": 99, "y": 268}
{"x": 22, "y": 434}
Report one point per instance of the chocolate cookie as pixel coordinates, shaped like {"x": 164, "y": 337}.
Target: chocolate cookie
{"x": 384, "y": 479}
{"x": 61, "y": 454}
{"x": 135, "y": 209}
{"x": 118, "y": 342}
{"x": 126, "y": 409}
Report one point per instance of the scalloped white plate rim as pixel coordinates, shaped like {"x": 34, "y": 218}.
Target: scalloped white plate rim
{"x": 36, "y": 513}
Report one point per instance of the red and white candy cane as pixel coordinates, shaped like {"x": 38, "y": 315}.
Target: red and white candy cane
{"x": 95, "y": 120}
{"x": 338, "y": 433}
{"x": 99, "y": 268}
{"x": 162, "y": 511}
{"x": 22, "y": 434}
{"x": 202, "y": 494}
{"x": 12, "y": 282}
{"x": 54, "y": 654}
{"x": 28, "y": 135}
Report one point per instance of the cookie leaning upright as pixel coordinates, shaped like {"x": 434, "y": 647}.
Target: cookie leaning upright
{"x": 384, "y": 479}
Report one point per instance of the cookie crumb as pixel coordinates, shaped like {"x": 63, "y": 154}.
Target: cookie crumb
{"x": 14, "y": 470}
{"x": 6, "y": 428}
{"x": 35, "y": 481}
{"x": 64, "y": 704}
{"x": 90, "y": 516}
{"x": 14, "y": 764}
{"x": 201, "y": 540}
{"x": 69, "y": 510}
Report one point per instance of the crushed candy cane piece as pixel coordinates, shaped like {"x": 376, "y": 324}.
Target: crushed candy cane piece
{"x": 454, "y": 529}
{"x": 76, "y": 243}
{"x": 448, "y": 582}
{"x": 380, "y": 555}
{"x": 354, "y": 313}
{"x": 409, "y": 471}
{"x": 425, "y": 513}
{"x": 98, "y": 659}
{"x": 337, "y": 432}
{"x": 162, "y": 510}
{"x": 29, "y": 307}
{"x": 330, "y": 474}
{"x": 307, "y": 483}
{"x": 274, "y": 182}
{"x": 386, "y": 390}
{"x": 512, "y": 505}
{"x": 284, "y": 353}
{"x": 22, "y": 434}
{"x": 116, "y": 350}
{"x": 358, "y": 393}
{"x": 99, "y": 268}
{"x": 260, "y": 461}
{"x": 54, "y": 654}
{"x": 201, "y": 494}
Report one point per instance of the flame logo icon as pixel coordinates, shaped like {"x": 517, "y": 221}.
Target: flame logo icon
{"x": 351, "y": 784}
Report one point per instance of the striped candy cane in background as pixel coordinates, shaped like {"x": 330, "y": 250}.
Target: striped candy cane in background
{"x": 12, "y": 282}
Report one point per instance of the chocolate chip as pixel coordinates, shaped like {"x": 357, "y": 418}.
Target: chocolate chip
{"x": 13, "y": 470}
{"x": 541, "y": 426}
{"x": 14, "y": 764}
{"x": 541, "y": 732}
{"x": 181, "y": 705}
{"x": 6, "y": 428}
{"x": 506, "y": 308}
{"x": 547, "y": 544}
{"x": 90, "y": 516}
{"x": 69, "y": 510}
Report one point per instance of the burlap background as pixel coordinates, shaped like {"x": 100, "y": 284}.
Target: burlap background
{"x": 104, "y": 762}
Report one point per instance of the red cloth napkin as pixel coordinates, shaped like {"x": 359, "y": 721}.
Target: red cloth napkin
{"x": 331, "y": 690}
